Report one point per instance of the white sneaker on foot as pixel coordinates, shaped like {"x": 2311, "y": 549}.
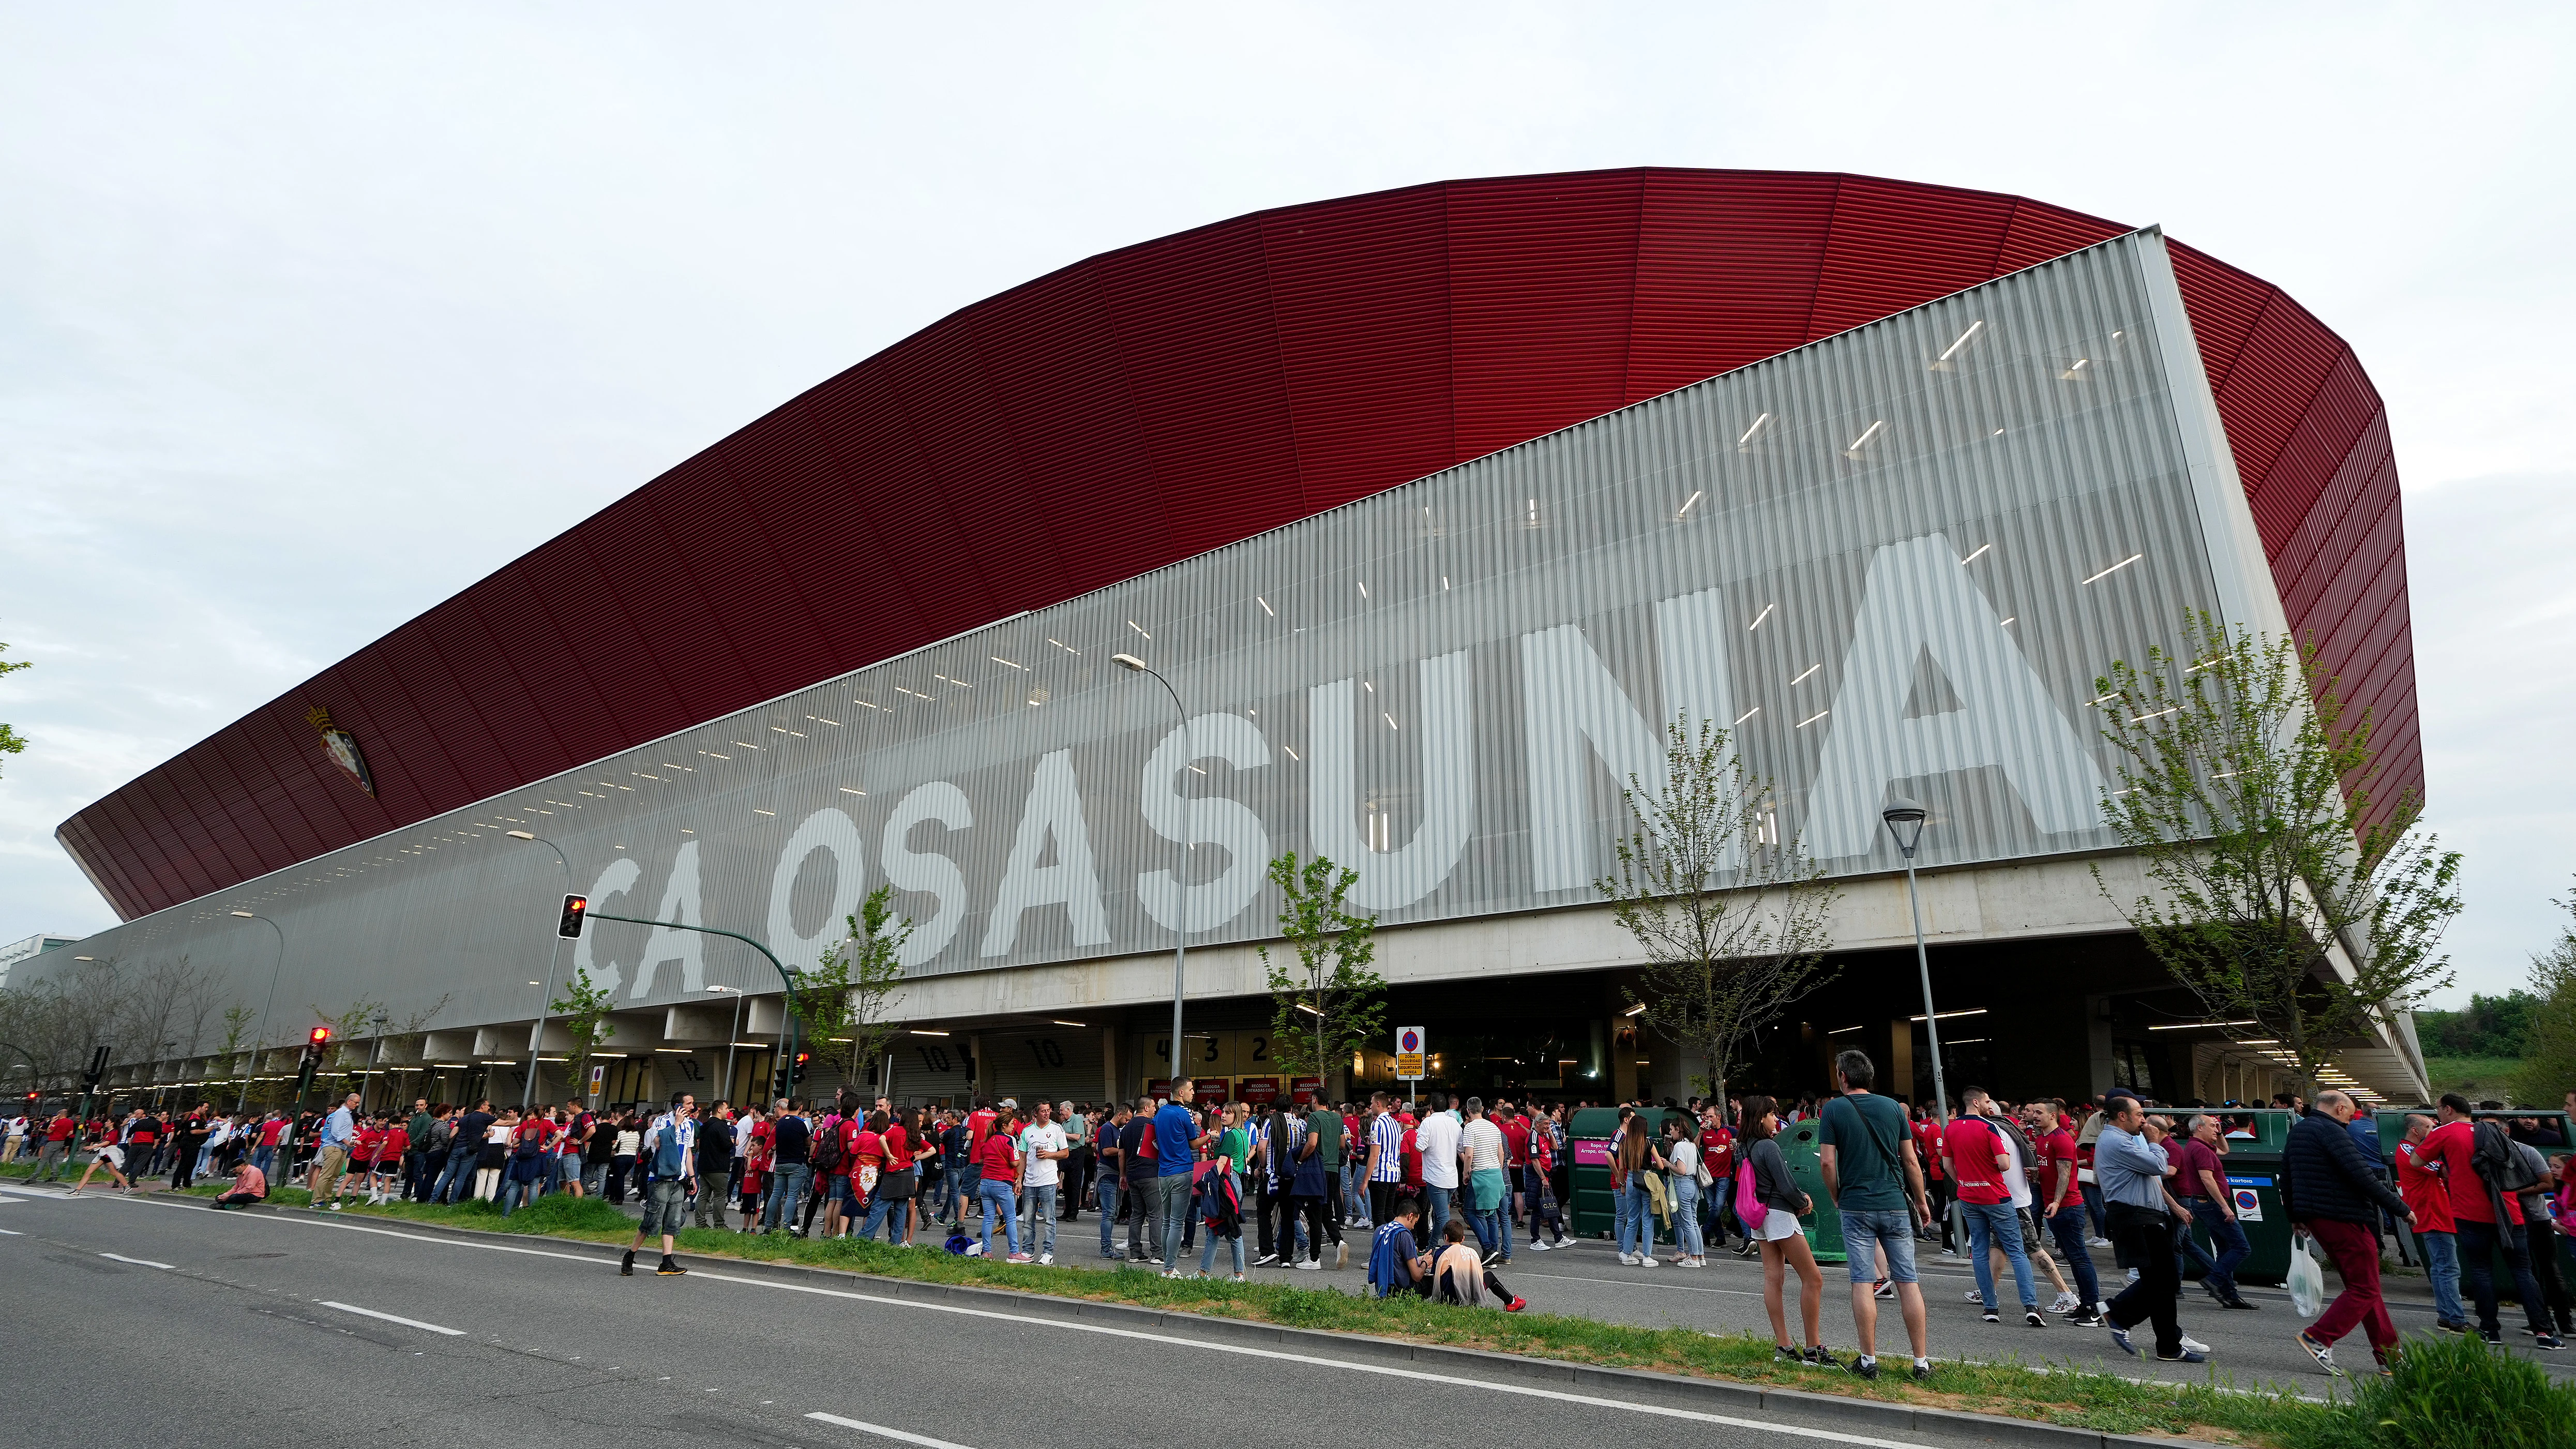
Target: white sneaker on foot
{"x": 1628, "y": 1260}
{"x": 1648, "y": 1262}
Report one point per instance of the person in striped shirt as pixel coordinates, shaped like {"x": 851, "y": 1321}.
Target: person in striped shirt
{"x": 1385, "y": 1157}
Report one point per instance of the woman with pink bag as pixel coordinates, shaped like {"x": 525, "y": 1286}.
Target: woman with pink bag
{"x": 1769, "y": 1202}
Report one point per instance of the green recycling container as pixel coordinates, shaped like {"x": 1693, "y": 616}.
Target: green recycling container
{"x": 1824, "y": 1226}
{"x": 1593, "y": 1212}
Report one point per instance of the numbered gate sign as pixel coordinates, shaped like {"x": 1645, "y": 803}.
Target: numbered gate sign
{"x": 1408, "y": 1053}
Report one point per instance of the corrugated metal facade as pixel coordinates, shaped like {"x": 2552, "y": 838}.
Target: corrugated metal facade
{"x": 1886, "y": 574}
{"x": 1149, "y": 404}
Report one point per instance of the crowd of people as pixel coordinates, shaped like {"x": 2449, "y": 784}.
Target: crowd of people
{"x": 1442, "y": 1193}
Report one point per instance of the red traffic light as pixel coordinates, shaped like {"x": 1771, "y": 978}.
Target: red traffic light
{"x": 321, "y": 1036}
{"x": 574, "y": 907}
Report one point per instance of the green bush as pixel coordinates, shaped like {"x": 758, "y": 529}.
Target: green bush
{"x": 2451, "y": 1392}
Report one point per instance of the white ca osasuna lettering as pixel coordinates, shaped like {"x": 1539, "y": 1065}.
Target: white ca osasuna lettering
{"x": 833, "y": 832}
{"x": 1571, "y": 703}
{"x": 615, "y": 881}
{"x": 1446, "y": 739}
{"x": 1919, "y": 601}
{"x": 1053, "y": 812}
{"x": 683, "y": 900}
{"x": 941, "y": 803}
{"x": 1230, "y": 825}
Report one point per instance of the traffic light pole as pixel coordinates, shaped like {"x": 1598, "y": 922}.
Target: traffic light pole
{"x": 786, "y": 978}
{"x": 537, "y": 1038}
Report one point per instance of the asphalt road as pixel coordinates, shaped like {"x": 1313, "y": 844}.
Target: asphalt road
{"x": 162, "y": 1321}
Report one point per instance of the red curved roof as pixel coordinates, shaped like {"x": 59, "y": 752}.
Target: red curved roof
{"x": 1152, "y": 403}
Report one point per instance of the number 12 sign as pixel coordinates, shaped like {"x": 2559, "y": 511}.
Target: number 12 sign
{"x": 1408, "y": 1053}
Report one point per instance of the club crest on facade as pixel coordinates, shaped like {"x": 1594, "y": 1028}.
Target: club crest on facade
{"x": 342, "y": 747}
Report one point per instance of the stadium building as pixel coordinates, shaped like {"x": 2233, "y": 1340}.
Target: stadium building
{"x": 1432, "y": 506}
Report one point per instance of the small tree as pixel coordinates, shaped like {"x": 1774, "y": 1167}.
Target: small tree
{"x": 845, "y": 1000}
{"x": 2249, "y": 799}
{"x": 583, "y": 1009}
{"x": 2549, "y": 1040}
{"x": 1331, "y": 1000}
{"x": 11, "y": 742}
{"x": 1731, "y": 917}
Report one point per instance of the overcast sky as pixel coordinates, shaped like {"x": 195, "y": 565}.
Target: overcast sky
{"x": 311, "y": 317}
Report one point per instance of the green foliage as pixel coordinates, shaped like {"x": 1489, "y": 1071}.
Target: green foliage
{"x": 2248, "y": 800}
{"x": 561, "y": 1212}
{"x": 2549, "y": 1036}
{"x": 1330, "y": 1001}
{"x": 2493, "y": 1026}
{"x": 583, "y": 1009}
{"x": 2450, "y": 1392}
{"x": 1731, "y": 919}
{"x": 11, "y": 742}
{"x": 845, "y": 999}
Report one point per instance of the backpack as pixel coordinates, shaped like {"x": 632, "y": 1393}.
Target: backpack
{"x": 2493, "y": 1157}
{"x": 1222, "y": 1200}
{"x": 1748, "y": 1202}
{"x": 827, "y": 1152}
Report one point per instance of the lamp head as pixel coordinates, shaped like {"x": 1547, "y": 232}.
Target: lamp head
{"x": 1127, "y": 661}
{"x": 1904, "y": 822}
{"x": 518, "y": 835}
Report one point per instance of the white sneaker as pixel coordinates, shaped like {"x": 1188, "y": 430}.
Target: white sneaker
{"x": 1311, "y": 1265}
{"x": 1537, "y": 1247}
{"x": 2193, "y": 1345}
{"x": 1648, "y": 1263}
{"x": 1976, "y": 1297}
{"x": 1045, "y": 1258}
{"x": 2097, "y": 1242}
{"x": 2065, "y": 1304}
{"x": 1628, "y": 1260}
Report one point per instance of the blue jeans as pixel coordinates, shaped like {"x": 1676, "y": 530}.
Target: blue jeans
{"x": 1866, "y": 1231}
{"x": 2442, "y": 1260}
{"x": 1686, "y": 1237}
{"x": 786, "y": 1194}
{"x": 886, "y": 1212}
{"x": 1638, "y": 1231}
{"x": 265, "y": 1159}
{"x": 1172, "y": 1194}
{"x": 1038, "y": 1200}
{"x": 2478, "y": 1245}
{"x": 2067, "y": 1225}
{"x": 1618, "y": 1219}
{"x": 993, "y": 1200}
{"x": 515, "y": 1193}
{"x": 2227, "y": 1237}
{"x": 1108, "y": 1190}
{"x": 1998, "y": 1224}
{"x": 1485, "y": 1225}
{"x": 1207, "y": 1251}
{"x": 458, "y": 1176}
{"x": 1437, "y": 1207}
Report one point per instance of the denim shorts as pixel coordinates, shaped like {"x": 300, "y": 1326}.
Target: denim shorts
{"x": 1864, "y": 1232}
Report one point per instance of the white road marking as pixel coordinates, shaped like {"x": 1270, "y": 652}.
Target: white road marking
{"x": 880, "y": 1430}
{"x": 11, "y": 1232}
{"x": 141, "y": 1262}
{"x": 392, "y": 1318}
{"x": 1312, "y": 1360}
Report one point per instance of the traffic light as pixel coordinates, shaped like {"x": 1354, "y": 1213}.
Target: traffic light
{"x": 570, "y": 926}
{"x": 317, "y": 1044}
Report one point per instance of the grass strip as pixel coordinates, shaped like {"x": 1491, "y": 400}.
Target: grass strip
{"x": 2216, "y": 1409}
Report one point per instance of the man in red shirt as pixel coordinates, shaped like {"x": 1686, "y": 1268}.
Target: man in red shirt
{"x": 1936, "y": 1183}
{"x": 2449, "y": 1149}
{"x": 2060, "y": 1206}
{"x": 57, "y": 1152}
{"x": 2429, "y": 1198}
{"x": 1978, "y": 1154}
{"x": 997, "y": 1160}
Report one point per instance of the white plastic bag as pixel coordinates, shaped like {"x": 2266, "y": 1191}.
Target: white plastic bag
{"x": 2307, "y": 1281}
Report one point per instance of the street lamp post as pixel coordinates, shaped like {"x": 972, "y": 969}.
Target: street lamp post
{"x": 537, "y": 1037}
{"x": 243, "y": 1104}
{"x": 375, "y": 1054}
{"x": 734, "y": 1037}
{"x": 1180, "y": 877}
{"x": 1905, "y": 822}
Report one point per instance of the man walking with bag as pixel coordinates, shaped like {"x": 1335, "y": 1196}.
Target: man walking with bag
{"x": 670, "y": 1158}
